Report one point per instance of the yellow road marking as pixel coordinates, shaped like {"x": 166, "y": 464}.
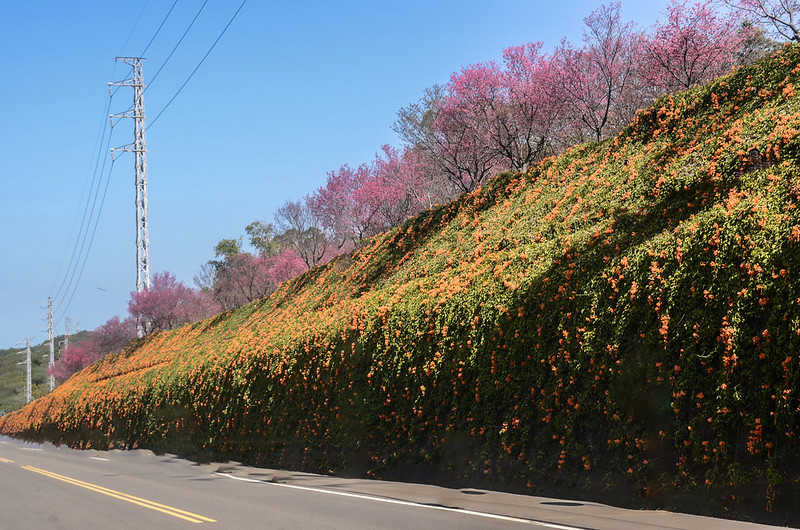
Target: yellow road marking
{"x": 169, "y": 510}
{"x": 6, "y": 460}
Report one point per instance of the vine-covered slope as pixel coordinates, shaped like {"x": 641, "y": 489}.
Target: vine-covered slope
{"x": 623, "y": 318}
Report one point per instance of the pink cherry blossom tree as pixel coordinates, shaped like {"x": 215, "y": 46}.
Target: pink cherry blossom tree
{"x": 693, "y": 44}
{"x": 488, "y": 118}
{"x": 527, "y": 122}
{"x": 443, "y": 146}
{"x": 422, "y": 179}
{"x": 242, "y": 279}
{"x": 168, "y": 304}
{"x": 245, "y": 278}
{"x": 332, "y": 204}
{"x": 349, "y": 205}
{"x": 387, "y": 191}
{"x": 463, "y": 126}
{"x": 356, "y": 204}
{"x": 107, "y": 338}
{"x": 75, "y": 358}
{"x": 593, "y": 79}
{"x": 399, "y": 186}
{"x": 286, "y": 266}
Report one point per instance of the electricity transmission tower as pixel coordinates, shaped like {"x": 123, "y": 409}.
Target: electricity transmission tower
{"x": 139, "y": 148}
{"x": 65, "y": 342}
{"x": 51, "y": 336}
{"x": 27, "y": 363}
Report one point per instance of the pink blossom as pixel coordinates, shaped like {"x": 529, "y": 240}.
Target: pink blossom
{"x": 694, "y": 44}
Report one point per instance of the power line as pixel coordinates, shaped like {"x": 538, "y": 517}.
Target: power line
{"x": 152, "y": 79}
{"x": 73, "y": 282}
{"x": 159, "y": 29}
{"x": 198, "y": 65}
{"x": 135, "y": 24}
{"x": 87, "y": 193}
{"x": 91, "y": 241}
{"x": 91, "y": 198}
{"x": 128, "y": 38}
{"x": 80, "y": 242}
{"x": 70, "y": 281}
{"x": 133, "y": 29}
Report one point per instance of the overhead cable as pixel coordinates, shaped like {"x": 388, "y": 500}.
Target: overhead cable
{"x": 85, "y": 223}
{"x": 198, "y": 65}
{"x": 159, "y": 29}
{"x": 152, "y": 79}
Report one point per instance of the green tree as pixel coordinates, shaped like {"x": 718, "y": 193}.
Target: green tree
{"x": 227, "y": 248}
{"x": 262, "y": 239}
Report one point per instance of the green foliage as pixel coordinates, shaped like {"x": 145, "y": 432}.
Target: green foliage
{"x": 227, "y": 248}
{"x": 12, "y": 375}
{"x": 263, "y": 238}
{"x": 623, "y": 318}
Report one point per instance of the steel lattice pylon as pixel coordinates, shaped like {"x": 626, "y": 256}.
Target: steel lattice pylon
{"x": 139, "y": 148}
{"x": 51, "y": 382}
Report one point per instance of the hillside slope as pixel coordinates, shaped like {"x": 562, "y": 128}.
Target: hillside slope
{"x": 622, "y": 322}
{"x": 12, "y": 376}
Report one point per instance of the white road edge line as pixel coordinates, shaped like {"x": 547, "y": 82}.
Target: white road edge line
{"x": 408, "y": 503}
{"x": 99, "y": 458}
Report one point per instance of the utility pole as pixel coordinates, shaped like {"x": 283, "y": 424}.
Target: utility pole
{"x": 139, "y": 148}
{"x": 67, "y": 325}
{"x": 65, "y": 343}
{"x": 27, "y": 363}
{"x": 51, "y": 336}
{"x": 28, "y": 393}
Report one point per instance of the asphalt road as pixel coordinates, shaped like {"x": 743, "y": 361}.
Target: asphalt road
{"x": 44, "y": 487}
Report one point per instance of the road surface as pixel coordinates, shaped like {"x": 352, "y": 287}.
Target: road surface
{"x": 44, "y": 487}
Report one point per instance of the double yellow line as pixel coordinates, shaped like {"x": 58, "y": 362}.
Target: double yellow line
{"x": 169, "y": 510}
{"x": 6, "y": 460}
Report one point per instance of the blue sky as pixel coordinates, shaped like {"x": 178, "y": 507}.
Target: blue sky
{"x": 291, "y": 91}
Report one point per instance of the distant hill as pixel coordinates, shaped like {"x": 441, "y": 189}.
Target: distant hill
{"x": 12, "y": 375}
{"x": 622, "y": 322}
